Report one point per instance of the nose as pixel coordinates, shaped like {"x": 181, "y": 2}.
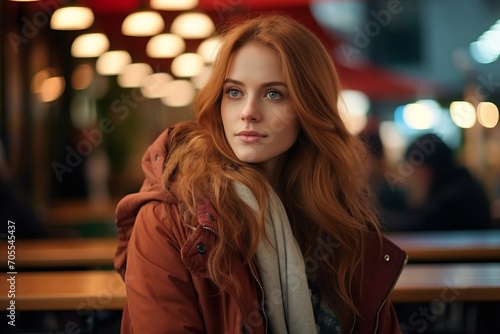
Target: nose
{"x": 251, "y": 112}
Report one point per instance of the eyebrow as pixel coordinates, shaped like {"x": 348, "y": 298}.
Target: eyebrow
{"x": 267, "y": 84}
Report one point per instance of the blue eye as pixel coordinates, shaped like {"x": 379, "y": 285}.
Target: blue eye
{"x": 274, "y": 95}
{"x": 232, "y": 93}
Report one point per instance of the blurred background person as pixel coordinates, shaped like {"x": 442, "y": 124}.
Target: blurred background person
{"x": 441, "y": 193}
{"x": 391, "y": 200}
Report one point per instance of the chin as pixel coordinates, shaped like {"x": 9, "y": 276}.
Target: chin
{"x": 250, "y": 158}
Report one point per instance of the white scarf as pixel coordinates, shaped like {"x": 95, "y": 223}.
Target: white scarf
{"x": 282, "y": 270}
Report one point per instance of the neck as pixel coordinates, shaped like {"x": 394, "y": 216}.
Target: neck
{"x": 274, "y": 169}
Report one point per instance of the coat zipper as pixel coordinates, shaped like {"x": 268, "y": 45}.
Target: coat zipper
{"x": 387, "y": 297}
{"x": 262, "y": 305}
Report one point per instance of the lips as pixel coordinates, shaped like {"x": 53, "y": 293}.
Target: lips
{"x": 250, "y": 136}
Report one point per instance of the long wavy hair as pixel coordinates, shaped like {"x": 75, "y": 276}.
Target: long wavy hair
{"x": 323, "y": 185}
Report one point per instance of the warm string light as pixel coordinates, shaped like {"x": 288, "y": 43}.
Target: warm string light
{"x": 47, "y": 85}
{"x": 72, "y": 18}
{"x": 429, "y": 115}
{"x": 173, "y": 4}
{"x": 143, "y": 23}
{"x": 89, "y": 45}
{"x": 165, "y": 46}
{"x": 353, "y": 107}
{"x": 193, "y": 26}
{"x": 487, "y": 114}
{"x": 189, "y": 69}
{"x": 112, "y": 62}
{"x": 133, "y": 75}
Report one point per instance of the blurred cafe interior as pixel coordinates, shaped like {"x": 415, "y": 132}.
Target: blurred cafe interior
{"x": 86, "y": 86}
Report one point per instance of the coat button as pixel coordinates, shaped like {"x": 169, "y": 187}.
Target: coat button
{"x": 209, "y": 216}
{"x": 387, "y": 257}
{"x": 201, "y": 248}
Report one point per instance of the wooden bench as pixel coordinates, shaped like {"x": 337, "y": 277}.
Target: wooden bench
{"x": 65, "y": 290}
{"x": 448, "y": 282}
{"x": 105, "y": 290}
{"x": 449, "y": 246}
{"x": 71, "y": 212}
{"x": 71, "y": 252}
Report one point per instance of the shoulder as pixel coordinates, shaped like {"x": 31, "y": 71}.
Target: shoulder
{"x": 160, "y": 222}
{"x": 162, "y": 232}
{"x": 381, "y": 265}
{"x": 382, "y": 262}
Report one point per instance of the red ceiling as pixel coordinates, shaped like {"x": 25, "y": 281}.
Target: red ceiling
{"x": 377, "y": 82}
{"x": 124, "y": 6}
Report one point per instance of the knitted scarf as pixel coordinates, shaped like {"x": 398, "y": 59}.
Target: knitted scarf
{"x": 282, "y": 270}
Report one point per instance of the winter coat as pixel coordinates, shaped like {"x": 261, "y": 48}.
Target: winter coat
{"x": 163, "y": 263}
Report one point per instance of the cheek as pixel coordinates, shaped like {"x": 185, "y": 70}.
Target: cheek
{"x": 292, "y": 126}
{"x": 286, "y": 132}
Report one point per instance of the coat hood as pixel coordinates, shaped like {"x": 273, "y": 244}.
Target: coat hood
{"x": 152, "y": 189}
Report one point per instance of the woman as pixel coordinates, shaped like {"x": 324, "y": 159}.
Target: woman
{"x": 256, "y": 217}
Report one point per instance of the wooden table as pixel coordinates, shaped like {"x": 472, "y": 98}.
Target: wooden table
{"x": 68, "y": 290}
{"x": 105, "y": 290}
{"x": 448, "y": 246}
{"x": 71, "y": 252}
{"x": 71, "y": 212}
{"x": 448, "y": 282}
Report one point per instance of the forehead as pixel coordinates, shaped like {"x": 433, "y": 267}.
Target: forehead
{"x": 255, "y": 61}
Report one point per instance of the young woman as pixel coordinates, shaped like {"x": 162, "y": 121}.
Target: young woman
{"x": 256, "y": 217}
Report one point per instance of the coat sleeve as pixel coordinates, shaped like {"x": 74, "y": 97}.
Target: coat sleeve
{"x": 161, "y": 297}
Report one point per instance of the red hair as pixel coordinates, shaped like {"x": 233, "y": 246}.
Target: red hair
{"x": 323, "y": 185}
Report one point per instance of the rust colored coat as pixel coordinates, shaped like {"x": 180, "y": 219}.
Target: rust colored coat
{"x": 163, "y": 264}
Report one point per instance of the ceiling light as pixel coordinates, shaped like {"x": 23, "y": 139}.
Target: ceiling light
{"x": 193, "y": 26}
{"x": 463, "y": 114}
{"x": 72, "y": 18}
{"x": 354, "y": 102}
{"x": 143, "y": 23}
{"x": 418, "y": 116}
{"x": 486, "y": 48}
{"x": 165, "y": 46}
{"x": 89, "y": 45}
{"x": 187, "y": 65}
{"x": 133, "y": 75}
{"x": 112, "y": 62}
{"x": 38, "y": 79}
{"x": 180, "y": 93}
{"x": 173, "y": 4}
{"x": 209, "y": 49}
{"x": 51, "y": 89}
{"x": 155, "y": 85}
{"x": 487, "y": 114}
{"x": 353, "y": 106}
{"x": 201, "y": 79}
